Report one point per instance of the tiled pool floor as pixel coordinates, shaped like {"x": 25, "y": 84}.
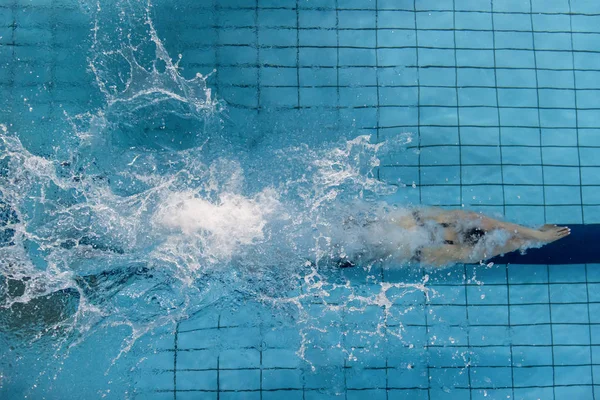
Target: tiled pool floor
{"x": 499, "y": 332}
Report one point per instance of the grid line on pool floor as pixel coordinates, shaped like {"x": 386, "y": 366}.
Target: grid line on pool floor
{"x": 576, "y": 119}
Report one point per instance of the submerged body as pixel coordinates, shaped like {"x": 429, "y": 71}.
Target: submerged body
{"x": 438, "y": 237}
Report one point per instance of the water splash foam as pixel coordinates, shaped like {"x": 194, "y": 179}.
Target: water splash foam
{"x": 133, "y": 224}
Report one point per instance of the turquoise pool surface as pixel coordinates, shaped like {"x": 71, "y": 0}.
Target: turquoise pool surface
{"x": 302, "y": 108}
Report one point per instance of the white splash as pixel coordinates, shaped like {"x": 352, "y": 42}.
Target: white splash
{"x": 145, "y": 86}
{"x": 232, "y": 221}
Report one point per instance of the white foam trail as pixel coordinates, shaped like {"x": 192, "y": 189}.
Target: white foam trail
{"x": 226, "y": 224}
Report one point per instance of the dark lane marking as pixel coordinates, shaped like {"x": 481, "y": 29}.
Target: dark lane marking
{"x": 582, "y": 246}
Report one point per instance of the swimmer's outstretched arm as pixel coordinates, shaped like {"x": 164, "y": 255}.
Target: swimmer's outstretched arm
{"x": 450, "y": 254}
{"x": 489, "y": 224}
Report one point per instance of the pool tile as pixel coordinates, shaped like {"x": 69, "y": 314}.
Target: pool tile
{"x": 481, "y": 156}
{"x": 193, "y": 395}
{"x": 475, "y": 174}
{"x": 358, "y": 4}
{"x": 197, "y": 359}
{"x": 159, "y": 360}
{"x": 201, "y": 339}
{"x": 486, "y": 117}
{"x": 447, "y": 315}
{"x": 238, "y": 396}
{"x": 447, "y": 357}
{"x": 477, "y": 96}
{"x": 517, "y": 97}
{"x": 482, "y": 376}
{"x": 372, "y": 394}
{"x": 239, "y": 379}
{"x": 529, "y": 314}
{"x": 569, "y": 313}
{"x": 572, "y": 355}
{"x": 323, "y": 357}
{"x": 365, "y": 378}
{"x": 239, "y": 358}
{"x": 155, "y": 381}
{"x": 470, "y": 77}
{"x": 534, "y": 393}
{"x": 530, "y": 356}
{"x": 499, "y": 356}
{"x": 558, "y": 79}
{"x": 283, "y": 394}
{"x": 371, "y": 358}
{"x": 552, "y": 41}
{"x": 521, "y": 155}
{"x": 492, "y": 393}
{"x": 573, "y": 375}
{"x": 436, "y": 38}
{"x": 455, "y": 394}
{"x": 436, "y": 20}
{"x": 403, "y": 317}
{"x": 152, "y": 395}
{"x": 527, "y": 274}
{"x": 440, "y": 377}
{"x": 535, "y": 335}
{"x": 472, "y": 5}
{"x": 408, "y": 377}
{"x": 520, "y": 175}
{"x": 282, "y": 379}
{"x": 594, "y": 313}
{"x": 357, "y": 19}
{"x": 487, "y": 294}
{"x": 562, "y": 175}
{"x": 568, "y": 293}
{"x": 413, "y": 394}
{"x": 488, "y": 315}
{"x": 557, "y": 195}
{"x": 448, "y": 295}
{"x": 535, "y": 376}
{"x": 316, "y": 19}
{"x": 496, "y": 274}
{"x": 440, "y": 335}
{"x": 571, "y": 334}
{"x": 196, "y": 380}
{"x": 575, "y": 392}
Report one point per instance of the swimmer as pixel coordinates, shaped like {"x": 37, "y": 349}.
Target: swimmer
{"x": 458, "y": 236}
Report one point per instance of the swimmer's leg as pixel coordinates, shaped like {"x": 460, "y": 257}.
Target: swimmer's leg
{"x": 404, "y": 220}
{"x": 448, "y": 254}
{"x": 515, "y": 243}
{"x": 451, "y": 254}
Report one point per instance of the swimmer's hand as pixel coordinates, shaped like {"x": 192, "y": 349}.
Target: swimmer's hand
{"x": 552, "y": 233}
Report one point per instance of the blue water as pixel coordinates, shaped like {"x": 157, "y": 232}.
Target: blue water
{"x": 175, "y": 177}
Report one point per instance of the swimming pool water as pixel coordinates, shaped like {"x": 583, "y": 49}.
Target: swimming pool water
{"x": 490, "y": 105}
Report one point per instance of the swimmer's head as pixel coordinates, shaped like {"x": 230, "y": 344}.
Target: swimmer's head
{"x": 473, "y": 235}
